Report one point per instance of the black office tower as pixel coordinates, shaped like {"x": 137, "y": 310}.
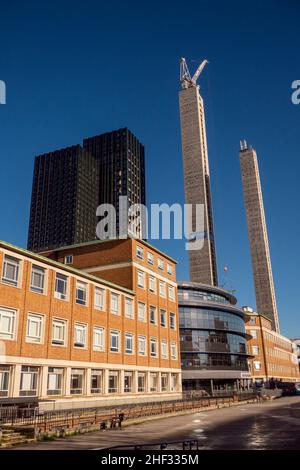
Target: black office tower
{"x": 64, "y": 199}
{"x": 69, "y": 185}
{"x": 121, "y": 168}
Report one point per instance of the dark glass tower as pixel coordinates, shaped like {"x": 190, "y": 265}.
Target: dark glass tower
{"x": 69, "y": 185}
{"x": 64, "y": 198}
{"x": 121, "y": 168}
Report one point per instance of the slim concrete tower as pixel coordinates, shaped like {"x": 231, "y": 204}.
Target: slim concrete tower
{"x": 203, "y": 266}
{"x": 258, "y": 237}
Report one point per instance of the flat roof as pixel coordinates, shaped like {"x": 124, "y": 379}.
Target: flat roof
{"x": 69, "y": 269}
{"x": 96, "y": 242}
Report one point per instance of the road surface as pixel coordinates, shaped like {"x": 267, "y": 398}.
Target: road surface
{"x": 268, "y": 425}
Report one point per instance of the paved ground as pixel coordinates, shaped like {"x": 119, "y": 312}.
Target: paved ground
{"x": 268, "y": 425}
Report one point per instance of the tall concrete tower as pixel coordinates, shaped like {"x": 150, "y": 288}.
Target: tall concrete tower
{"x": 203, "y": 266}
{"x": 258, "y": 237}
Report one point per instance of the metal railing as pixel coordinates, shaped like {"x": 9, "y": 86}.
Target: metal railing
{"x": 84, "y": 417}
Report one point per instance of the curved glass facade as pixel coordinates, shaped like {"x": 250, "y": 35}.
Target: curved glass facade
{"x": 211, "y": 338}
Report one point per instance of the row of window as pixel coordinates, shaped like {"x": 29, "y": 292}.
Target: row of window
{"x": 11, "y": 276}
{"x": 140, "y": 253}
{"x": 80, "y": 383}
{"x": 35, "y": 334}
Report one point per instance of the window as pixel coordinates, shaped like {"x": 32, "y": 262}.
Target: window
{"x": 8, "y": 318}
{"x": 114, "y": 303}
{"x": 141, "y": 382}
{"x": 69, "y": 259}
{"x": 98, "y": 339}
{"x": 128, "y": 343}
{"x": 128, "y": 381}
{"x": 153, "y": 347}
{"x": 34, "y": 328}
{"x": 141, "y": 311}
{"x": 81, "y": 293}
{"x": 150, "y": 258}
{"x": 153, "y": 382}
{"x": 80, "y": 330}
{"x": 59, "y": 332}
{"x": 173, "y": 351}
{"x": 114, "y": 341}
{"x": 77, "y": 380}
{"x": 164, "y": 349}
{"x": 152, "y": 284}
{"x": 174, "y": 382}
{"x": 99, "y": 298}
{"x": 129, "y": 308}
{"x": 172, "y": 321}
{"x": 55, "y": 380}
{"x": 113, "y": 381}
{"x": 152, "y": 314}
{"x": 164, "y": 382}
{"x": 141, "y": 279}
{"x": 160, "y": 264}
{"x": 253, "y": 333}
{"x": 252, "y": 321}
{"x": 169, "y": 269}
{"x": 163, "y": 319}
{"x": 255, "y": 350}
{"x": 142, "y": 346}
{"x": 162, "y": 289}
{"x": 61, "y": 286}
{"x": 139, "y": 252}
{"x": 96, "y": 381}
{"x": 4, "y": 380}
{"x": 11, "y": 270}
{"x": 257, "y": 365}
{"x": 171, "y": 293}
{"x": 29, "y": 381}
{"x": 37, "y": 282}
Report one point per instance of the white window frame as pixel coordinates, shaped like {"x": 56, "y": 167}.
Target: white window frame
{"x": 255, "y": 348}
{"x": 160, "y": 264}
{"x": 172, "y": 323}
{"x": 83, "y": 287}
{"x": 141, "y": 279}
{"x": 11, "y": 333}
{"x": 69, "y": 259}
{"x": 171, "y": 292}
{"x": 34, "y": 288}
{"x": 153, "y": 341}
{"x": 129, "y": 336}
{"x": 129, "y": 313}
{"x": 169, "y": 269}
{"x": 62, "y": 323}
{"x": 139, "y": 252}
{"x": 59, "y": 295}
{"x": 98, "y": 290}
{"x": 143, "y": 317}
{"x": 16, "y": 263}
{"x": 257, "y": 365}
{"x": 164, "y": 349}
{"x": 150, "y": 258}
{"x": 116, "y": 334}
{"x": 142, "y": 340}
{"x": 153, "y": 308}
{"x": 38, "y": 319}
{"x": 82, "y": 328}
{"x": 152, "y": 281}
{"x": 162, "y": 289}
{"x": 115, "y": 296}
{"x": 174, "y": 350}
{"x": 100, "y": 332}
{"x": 163, "y": 314}
{"x": 253, "y": 333}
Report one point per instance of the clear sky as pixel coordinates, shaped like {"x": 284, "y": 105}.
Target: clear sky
{"x": 78, "y": 68}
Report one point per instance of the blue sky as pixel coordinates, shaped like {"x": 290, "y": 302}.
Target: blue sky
{"x": 78, "y": 68}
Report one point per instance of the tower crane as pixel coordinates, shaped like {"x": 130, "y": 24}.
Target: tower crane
{"x": 185, "y": 78}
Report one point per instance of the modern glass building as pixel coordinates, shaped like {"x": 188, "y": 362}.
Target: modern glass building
{"x": 214, "y": 355}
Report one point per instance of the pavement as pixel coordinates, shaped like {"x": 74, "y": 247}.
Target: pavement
{"x": 260, "y": 426}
